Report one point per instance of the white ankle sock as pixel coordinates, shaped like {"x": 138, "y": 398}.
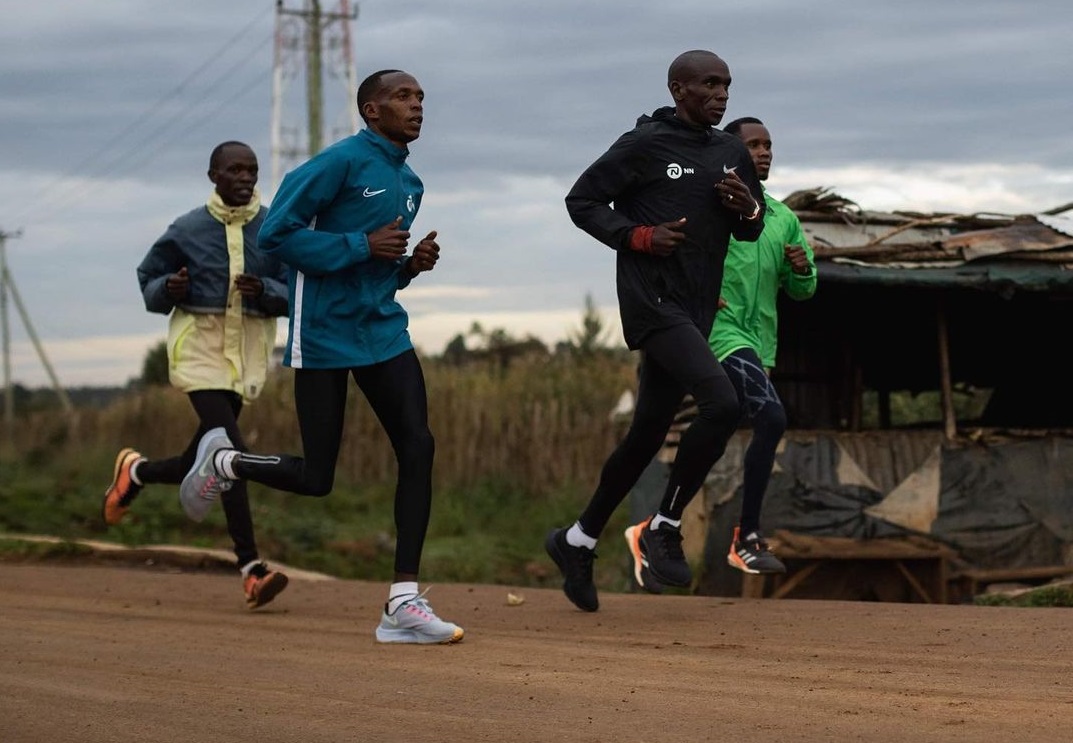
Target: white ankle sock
{"x": 400, "y": 593}
{"x": 222, "y": 462}
{"x": 659, "y": 518}
{"x": 134, "y": 472}
{"x": 575, "y": 537}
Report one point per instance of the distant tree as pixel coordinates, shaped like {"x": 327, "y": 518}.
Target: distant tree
{"x": 592, "y": 336}
{"x": 455, "y": 351}
{"x": 155, "y": 366}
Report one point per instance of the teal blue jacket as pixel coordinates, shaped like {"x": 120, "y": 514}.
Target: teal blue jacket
{"x": 343, "y": 307}
{"x": 752, "y": 276}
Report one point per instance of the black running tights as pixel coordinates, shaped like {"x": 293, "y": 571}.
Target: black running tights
{"x": 214, "y": 408}
{"x": 396, "y": 392}
{"x": 674, "y": 361}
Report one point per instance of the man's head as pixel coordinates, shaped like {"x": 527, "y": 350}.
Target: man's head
{"x": 233, "y": 168}
{"x": 390, "y": 102}
{"x": 757, "y": 139}
{"x": 699, "y": 82}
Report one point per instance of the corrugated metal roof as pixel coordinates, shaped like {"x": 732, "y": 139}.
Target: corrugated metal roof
{"x": 994, "y": 252}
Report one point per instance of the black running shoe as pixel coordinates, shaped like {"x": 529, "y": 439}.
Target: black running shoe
{"x": 752, "y": 555}
{"x": 575, "y": 563}
{"x": 662, "y": 547}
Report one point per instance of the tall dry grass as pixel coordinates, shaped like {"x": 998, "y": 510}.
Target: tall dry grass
{"x": 539, "y": 425}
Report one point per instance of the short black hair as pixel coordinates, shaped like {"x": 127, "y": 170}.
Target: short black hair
{"x": 218, "y": 151}
{"x": 735, "y": 126}
{"x": 368, "y": 89}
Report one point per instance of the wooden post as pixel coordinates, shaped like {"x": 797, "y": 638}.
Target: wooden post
{"x": 946, "y": 389}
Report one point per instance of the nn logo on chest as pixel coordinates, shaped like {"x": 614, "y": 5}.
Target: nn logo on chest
{"x": 674, "y": 170}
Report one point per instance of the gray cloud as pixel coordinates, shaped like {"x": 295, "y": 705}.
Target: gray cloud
{"x": 110, "y": 110}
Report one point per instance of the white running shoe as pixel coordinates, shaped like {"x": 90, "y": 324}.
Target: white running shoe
{"x": 415, "y": 622}
{"x": 202, "y": 485}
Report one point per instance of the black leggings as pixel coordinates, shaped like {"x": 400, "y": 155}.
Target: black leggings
{"x": 214, "y": 408}
{"x": 760, "y": 405}
{"x": 396, "y": 392}
{"x": 674, "y": 361}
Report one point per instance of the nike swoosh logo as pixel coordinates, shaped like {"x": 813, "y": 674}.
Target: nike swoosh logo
{"x": 367, "y": 193}
{"x": 727, "y": 170}
{"x": 392, "y": 620}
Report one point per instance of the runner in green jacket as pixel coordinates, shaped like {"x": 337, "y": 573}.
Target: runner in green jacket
{"x": 744, "y": 339}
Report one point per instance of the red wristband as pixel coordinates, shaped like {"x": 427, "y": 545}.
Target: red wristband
{"x": 641, "y": 239}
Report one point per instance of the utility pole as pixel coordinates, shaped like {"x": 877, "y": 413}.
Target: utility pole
{"x": 9, "y": 392}
{"x": 7, "y": 287}
{"x": 321, "y": 40}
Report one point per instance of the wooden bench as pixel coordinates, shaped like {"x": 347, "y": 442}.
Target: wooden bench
{"x": 908, "y": 568}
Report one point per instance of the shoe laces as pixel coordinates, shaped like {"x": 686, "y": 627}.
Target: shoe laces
{"x": 419, "y": 605}
{"x": 668, "y": 543}
{"x": 579, "y": 563}
{"x": 214, "y": 485}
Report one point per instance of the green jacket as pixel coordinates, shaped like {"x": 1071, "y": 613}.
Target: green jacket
{"x": 752, "y": 275}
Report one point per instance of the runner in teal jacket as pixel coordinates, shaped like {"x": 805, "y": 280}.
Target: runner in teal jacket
{"x": 341, "y": 221}
{"x": 744, "y": 338}
{"x": 344, "y": 312}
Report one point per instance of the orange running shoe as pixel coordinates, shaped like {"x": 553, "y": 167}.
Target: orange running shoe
{"x": 120, "y": 494}
{"x": 262, "y": 585}
{"x": 752, "y": 555}
{"x": 641, "y": 574}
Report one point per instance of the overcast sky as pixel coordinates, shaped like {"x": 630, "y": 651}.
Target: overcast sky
{"x": 110, "y": 109}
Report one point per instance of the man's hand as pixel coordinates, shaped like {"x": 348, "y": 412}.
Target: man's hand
{"x": 249, "y": 285}
{"x": 666, "y": 236}
{"x": 735, "y": 195}
{"x": 426, "y": 253}
{"x": 721, "y": 304}
{"x": 178, "y": 284}
{"x": 388, "y": 242}
{"x": 797, "y": 258}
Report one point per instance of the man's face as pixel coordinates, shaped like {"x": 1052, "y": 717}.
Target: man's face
{"x": 235, "y": 175}
{"x": 396, "y": 112}
{"x": 758, "y": 141}
{"x": 701, "y": 92}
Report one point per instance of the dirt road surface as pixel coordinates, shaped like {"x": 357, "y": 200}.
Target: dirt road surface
{"x": 94, "y": 654}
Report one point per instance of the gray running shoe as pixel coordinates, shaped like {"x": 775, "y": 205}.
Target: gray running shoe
{"x": 752, "y": 555}
{"x": 415, "y": 622}
{"x": 202, "y": 485}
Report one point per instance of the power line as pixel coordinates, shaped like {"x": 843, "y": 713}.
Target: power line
{"x": 65, "y": 180}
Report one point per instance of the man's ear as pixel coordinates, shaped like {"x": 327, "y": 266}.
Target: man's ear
{"x": 212, "y": 175}
{"x": 371, "y": 111}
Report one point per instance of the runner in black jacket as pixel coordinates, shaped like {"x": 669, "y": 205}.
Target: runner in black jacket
{"x": 666, "y": 196}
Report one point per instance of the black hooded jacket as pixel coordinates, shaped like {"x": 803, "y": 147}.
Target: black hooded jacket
{"x": 663, "y": 170}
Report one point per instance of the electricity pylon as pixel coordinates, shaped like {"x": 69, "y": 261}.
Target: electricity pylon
{"x": 317, "y": 41}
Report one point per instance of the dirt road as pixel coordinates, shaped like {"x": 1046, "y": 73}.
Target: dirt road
{"x": 95, "y": 654}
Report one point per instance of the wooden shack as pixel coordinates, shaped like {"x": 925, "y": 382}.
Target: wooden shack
{"x": 970, "y": 311}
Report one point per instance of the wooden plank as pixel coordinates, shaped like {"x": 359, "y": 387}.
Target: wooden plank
{"x": 913, "y": 582}
{"x": 795, "y": 580}
{"x": 946, "y": 388}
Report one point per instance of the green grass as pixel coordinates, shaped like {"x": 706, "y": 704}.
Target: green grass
{"x": 1045, "y": 596}
{"x": 492, "y": 532}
